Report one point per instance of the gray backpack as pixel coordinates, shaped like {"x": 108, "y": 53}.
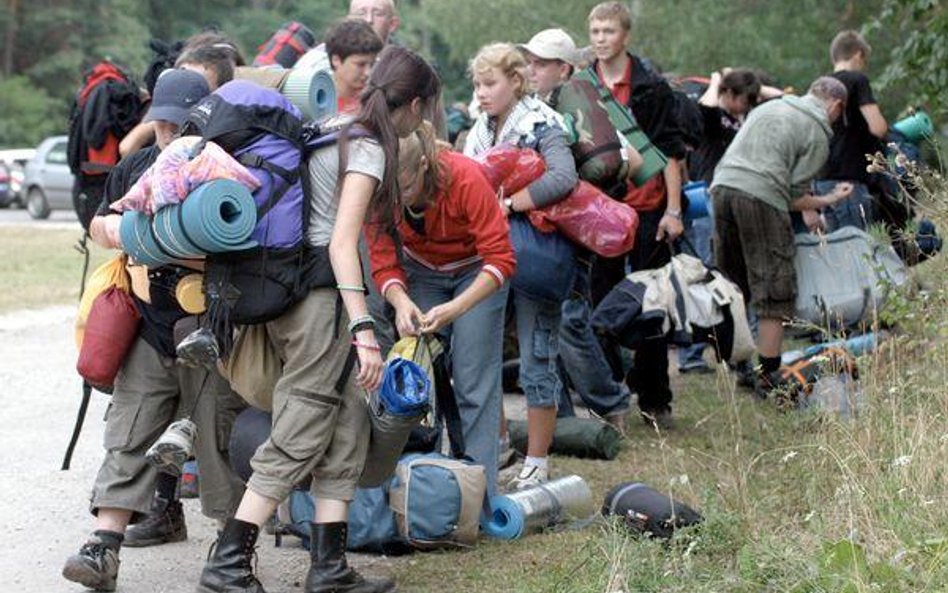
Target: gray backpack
{"x": 844, "y": 277}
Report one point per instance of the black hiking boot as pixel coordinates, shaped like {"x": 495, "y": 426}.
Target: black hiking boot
{"x": 329, "y": 571}
{"x": 164, "y": 525}
{"x": 95, "y": 566}
{"x": 228, "y": 570}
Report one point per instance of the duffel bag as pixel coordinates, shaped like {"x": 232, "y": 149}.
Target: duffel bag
{"x": 844, "y": 277}
{"x": 546, "y": 263}
{"x": 437, "y": 500}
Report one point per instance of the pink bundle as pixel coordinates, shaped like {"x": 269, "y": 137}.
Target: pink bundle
{"x": 175, "y": 174}
{"x": 590, "y": 218}
{"x": 510, "y": 167}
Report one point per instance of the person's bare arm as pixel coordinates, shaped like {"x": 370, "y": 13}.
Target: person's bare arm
{"x": 874, "y": 118}
{"x": 710, "y": 97}
{"x": 811, "y": 202}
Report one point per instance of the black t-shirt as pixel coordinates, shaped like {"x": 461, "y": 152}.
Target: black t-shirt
{"x": 719, "y": 130}
{"x": 159, "y": 316}
{"x": 852, "y": 140}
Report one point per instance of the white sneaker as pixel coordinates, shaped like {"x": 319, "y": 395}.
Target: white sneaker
{"x": 529, "y": 476}
{"x": 173, "y": 447}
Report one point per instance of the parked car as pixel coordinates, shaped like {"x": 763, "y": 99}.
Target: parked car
{"x": 13, "y": 162}
{"x": 48, "y": 180}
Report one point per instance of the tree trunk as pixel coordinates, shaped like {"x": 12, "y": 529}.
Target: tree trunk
{"x": 9, "y": 44}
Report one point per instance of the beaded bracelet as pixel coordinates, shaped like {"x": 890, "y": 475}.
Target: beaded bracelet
{"x": 365, "y": 346}
{"x": 360, "y": 320}
{"x": 350, "y": 287}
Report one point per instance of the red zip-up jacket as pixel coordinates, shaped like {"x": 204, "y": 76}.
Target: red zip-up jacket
{"x": 464, "y": 226}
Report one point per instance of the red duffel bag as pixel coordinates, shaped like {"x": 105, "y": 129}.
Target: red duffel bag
{"x": 110, "y": 331}
{"x": 590, "y": 218}
{"x": 511, "y": 167}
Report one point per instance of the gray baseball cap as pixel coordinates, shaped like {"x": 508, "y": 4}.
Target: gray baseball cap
{"x": 176, "y": 92}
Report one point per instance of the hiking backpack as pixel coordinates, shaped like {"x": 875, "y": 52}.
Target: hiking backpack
{"x": 106, "y": 108}
{"x": 595, "y": 141}
{"x": 286, "y": 46}
{"x": 264, "y": 132}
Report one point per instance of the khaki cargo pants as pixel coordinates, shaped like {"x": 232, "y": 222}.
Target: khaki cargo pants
{"x": 317, "y": 428}
{"x": 150, "y": 392}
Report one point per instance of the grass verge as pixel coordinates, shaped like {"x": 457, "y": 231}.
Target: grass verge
{"x": 41, "y": 267}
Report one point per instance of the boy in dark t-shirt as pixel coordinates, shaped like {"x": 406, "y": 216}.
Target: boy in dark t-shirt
{"x": 858, "y": 133}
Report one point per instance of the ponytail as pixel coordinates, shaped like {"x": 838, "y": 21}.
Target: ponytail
{"x": 399, "y": 77}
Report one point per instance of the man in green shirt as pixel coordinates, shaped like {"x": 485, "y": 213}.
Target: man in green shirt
{"x": 764, "y": 175}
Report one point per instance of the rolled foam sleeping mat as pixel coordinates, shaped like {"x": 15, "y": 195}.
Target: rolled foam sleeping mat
{"x": 586, "y": 438}
{"x": 312, "y": 90}
{"x": 218, "y": 216}
{"x": 139, "y": 242}
{"x": 516, "y": 514}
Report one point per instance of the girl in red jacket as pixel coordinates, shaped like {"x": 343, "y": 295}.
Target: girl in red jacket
{"x": 456, "y": 257}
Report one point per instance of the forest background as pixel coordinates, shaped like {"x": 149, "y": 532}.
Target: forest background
{"x": 45, "y": 44}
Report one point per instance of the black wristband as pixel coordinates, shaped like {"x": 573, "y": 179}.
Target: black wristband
{"x": 362, "y": 327}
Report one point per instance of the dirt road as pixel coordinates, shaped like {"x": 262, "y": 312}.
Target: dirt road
{"x": 45, "y": 511}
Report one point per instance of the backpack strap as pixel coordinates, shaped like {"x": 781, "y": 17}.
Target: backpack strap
{"x": 620, "y": 116}
{"x": 447, "y": 403}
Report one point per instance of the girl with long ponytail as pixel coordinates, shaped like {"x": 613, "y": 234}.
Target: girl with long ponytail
{"x": 320, "y": 424}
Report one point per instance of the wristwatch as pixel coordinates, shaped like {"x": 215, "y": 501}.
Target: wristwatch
{"x": 673, "y": 213}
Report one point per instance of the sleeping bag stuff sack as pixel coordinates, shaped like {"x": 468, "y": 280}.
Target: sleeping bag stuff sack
{"x": 591, "y": 219}
{"x": 110, "y": 332}
{"x": 395, "y": 409}
{"x": 844, "y": 277}
{"x": 437, "y": 500}
{"x": 264, "y": 131}
{"x": 647, "y": 511}
{"x": 546, "y": 262}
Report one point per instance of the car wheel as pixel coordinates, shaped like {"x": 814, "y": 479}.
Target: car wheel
{"x": 36, "y": 204}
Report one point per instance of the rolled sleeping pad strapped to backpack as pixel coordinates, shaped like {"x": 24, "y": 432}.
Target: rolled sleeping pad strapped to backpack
{"x": 647, "y": 511}
{"x": 313, "y": 91}
{"x": 577, "y": 437}
{"x": 698, "y": 198}
{"x": 915, "y": 127}
{"x": 537, "y": 508}
{"x": 217, "y": 217}
{"x": 286, "y": 46}
{"x": 397, "y": 407}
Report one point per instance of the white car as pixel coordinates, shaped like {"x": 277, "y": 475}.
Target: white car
{"x": 48, "y": 180}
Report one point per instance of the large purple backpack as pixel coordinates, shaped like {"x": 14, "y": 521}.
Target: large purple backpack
{"x": 265, "y": 132}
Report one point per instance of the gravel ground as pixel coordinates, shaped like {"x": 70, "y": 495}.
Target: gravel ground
{"x": 46, "y": 514}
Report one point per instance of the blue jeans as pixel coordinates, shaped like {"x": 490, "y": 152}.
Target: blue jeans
{"x": 538, "y": 326}
{"x": 476, "y": 340}
{"x": 698, "y": 232}
{"x": 857, "y": 210}
{"x": 583, "y": 359}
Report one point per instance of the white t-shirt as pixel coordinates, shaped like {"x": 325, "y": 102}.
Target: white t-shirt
{"x": 365, "y": 156}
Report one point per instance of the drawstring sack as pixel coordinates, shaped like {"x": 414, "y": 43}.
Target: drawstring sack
{"x": 395, "y": 410}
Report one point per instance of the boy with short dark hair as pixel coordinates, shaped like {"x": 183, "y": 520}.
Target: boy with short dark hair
{"x": 858, "y": 133}
{"x": 352, "y": 46}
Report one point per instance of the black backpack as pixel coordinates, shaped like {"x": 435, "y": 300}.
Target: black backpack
{"x": 106, "y": 108}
